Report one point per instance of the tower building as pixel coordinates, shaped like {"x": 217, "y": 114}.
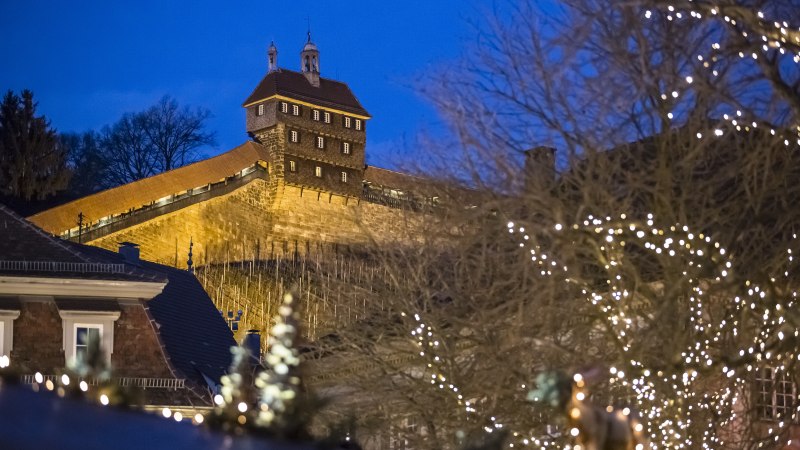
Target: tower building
{"x": 313, "y": 127}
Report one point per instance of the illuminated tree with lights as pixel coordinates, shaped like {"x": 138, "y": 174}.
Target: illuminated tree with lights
{"x": 656, "y": 251}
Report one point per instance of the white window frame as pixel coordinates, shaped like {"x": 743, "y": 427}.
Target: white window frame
{"x": 346, "y": 148}
{"x": 74, "y": 348}
{"x": 260, "y": 111}
{"x": 7, "y": 318}
{"x": 295, "y": 110}
{"x": 358, "y": 124}
{"x": 320, "y": 142}
{"x": 294, "y": 136}
{"x": 318, "y": 172}
{"x": 292, "y": 166}
{"x": 72, "y": 320}
{"x": 343, "y": 177}
{"x": 327, "y": 117}
{"x": 315, "y": 115}
{"x": 284, "y": 107}
{"x": 347, "y": 122}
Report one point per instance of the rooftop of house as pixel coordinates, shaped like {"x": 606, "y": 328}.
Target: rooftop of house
{"x": 195, "y": 336}
{"x": 330, "y": 93}
{"x": 26, "y": 250}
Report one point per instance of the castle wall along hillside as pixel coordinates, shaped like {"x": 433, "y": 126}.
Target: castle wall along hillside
{"x": 301, "y": 183}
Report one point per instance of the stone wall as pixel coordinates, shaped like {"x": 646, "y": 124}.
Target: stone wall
{"x": 260, "y": 220}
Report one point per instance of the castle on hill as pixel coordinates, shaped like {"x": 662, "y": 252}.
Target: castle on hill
{"x": 299, "y": 183}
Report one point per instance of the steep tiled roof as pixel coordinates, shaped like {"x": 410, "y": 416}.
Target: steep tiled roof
{"x": 194, "y": 333}
{"x": 26, "y": 250}
{"x": 330, "y": 93}
{"x": 134, "y": 195}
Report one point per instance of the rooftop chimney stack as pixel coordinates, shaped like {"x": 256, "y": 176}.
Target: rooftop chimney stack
{"x": 540, "y": 169}
{"x": 252, "y": 342}
{"x": 129, "y": 251}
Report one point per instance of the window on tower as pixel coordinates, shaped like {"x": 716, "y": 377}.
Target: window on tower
{"x": 315, "y": 115}
{"x": 320, "y": 142}
{"x": 347, "y": 123}
{"x": 327, "y": 117}
{"x": 294, "y": 136}
{"x": 284, "y": 107}
{"x": 344, "y": 177}
{"x": 358, "y": 124}
{"x": 295, "y": 110}
{"x": 292, "y": 166}
{"x": 260, "y": 109}
{"x": 346, "y": 148}
{"x": 318, "y": 172}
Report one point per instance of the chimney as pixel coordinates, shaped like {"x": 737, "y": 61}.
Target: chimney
{"x": 540, "y": 168}
{"x": 129, "y": 251}
{"x": 252, "y": 342}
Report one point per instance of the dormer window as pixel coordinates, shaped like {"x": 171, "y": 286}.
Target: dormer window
{"x": 315, "y": 115}
{"x": 260, "y": 111}
{"x": 343, "y": 177}
{"x": 346, "y": 148}
{"x": 318, "y": 172}
{"x": 295, "y": 110}
{"x": 347, "y": 122}
{"x": 327, "y": 117}
{"x": 358, "y": 124}
{"x": 294, "y": 136}
{"x": 284, "y": 107}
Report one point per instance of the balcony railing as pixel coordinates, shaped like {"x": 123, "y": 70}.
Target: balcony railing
{"x": 142, "y": 383}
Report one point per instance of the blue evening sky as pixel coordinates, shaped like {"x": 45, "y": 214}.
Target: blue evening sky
{"x": 88, "y": 62}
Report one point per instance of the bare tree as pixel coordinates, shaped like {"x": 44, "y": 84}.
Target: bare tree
{"x": 658, "y": 258}
{"x": 176, "y": 133}
{"x": 160, "y": 138}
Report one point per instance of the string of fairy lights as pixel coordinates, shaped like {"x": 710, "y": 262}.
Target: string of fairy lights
{"x": 768, "y": 39}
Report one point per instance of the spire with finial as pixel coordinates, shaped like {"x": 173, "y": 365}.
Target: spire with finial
{"x": 189, "y": 262}
{"x": 309, "y": 61}
{"x": 272, "y": 57}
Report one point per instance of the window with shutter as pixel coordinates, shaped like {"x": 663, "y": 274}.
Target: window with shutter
{"x": 284, "y": 107}
{"x": 358, "y": 124}
{"x": 346, "y": 148}
{"x": 295, "y": 110}
{"x": 347, "y": 122}
{"x": 344, "y": 177}
{"x": 318, "y": 172}
{"x": 320, "y": 142}
{"x": 261, "y": 109}
{"x": 294, "y": 136}
{"x": 292, "y": 166}
{"x": 315, "y": 114}
{"x": 327, "y": 117}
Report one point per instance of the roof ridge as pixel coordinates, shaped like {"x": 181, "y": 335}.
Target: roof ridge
{"x": 52, "y": 239}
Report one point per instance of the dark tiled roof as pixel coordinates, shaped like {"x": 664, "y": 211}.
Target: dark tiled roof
{"x": 391, "y": 179}
{"x": 26, "y": 250}
{"x": 330, "y": 93}
{"x": 194, "y": 333}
